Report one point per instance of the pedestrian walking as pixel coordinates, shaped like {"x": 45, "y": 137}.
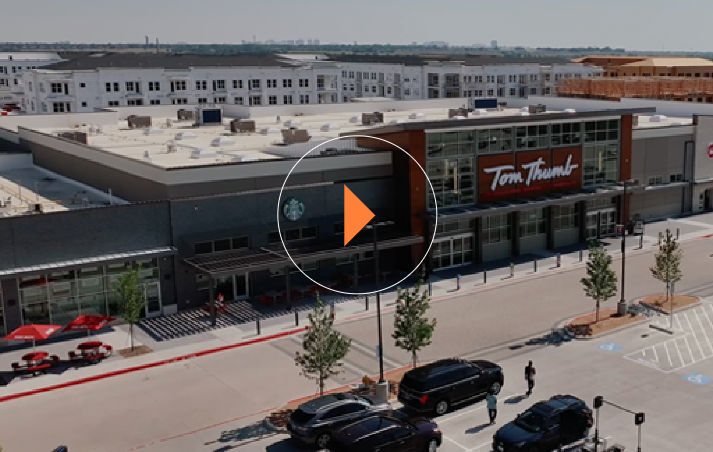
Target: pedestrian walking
{"x": 530, "y": 373}
{"x": 492, "y": 402}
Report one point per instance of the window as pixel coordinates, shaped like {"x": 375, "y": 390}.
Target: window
{"x": 676, "y": 178}
{"x": 179, "y": 85}
{"x": 255, "y": 100}
{"x": 273, "y": 237}
{"x": 154, "y": 86}
{"x": 501, "y": 92}
{"x": 388, "y": 90}
{"x": 496, "y": 228}
{"x": 239, "y": 243}
{"x": 202, "y": 100}
{"x": 61, "y": 107}
{"x": 238, "y": 101}
{"x": 203, "y": 247}
{"x": 495, "y": 140}
{"x": 155, "y": 102}
{"x": 566, "y": 134}
{"x": 300, "y": 234}
{"x": 201, "y": 85}
{"x": 113, "y": 103}
{"x": 56, "y": 88}
{"x": 272, "y": 83}
{"x": 351, "y": 74}
{"x": 287, "y": 83}
{"x": 456, "y": 227}
{"x": 533, "y": 91}
{"x": 548, "y": 91}
{"x": 44, "y": 106}
{"x": 600, "y": 164}
{"x": 304, "y": 98}
{"x": 255, "y": 84}
{"x": 373, "y": 89}
{"x": 605, "y": 130}
{"x": 407, "y": 92}
{"x": 220, "y": 245}
{"x": 490, "y": 93}
{"x": 272, "y": 100}
{"x": 304, "y": 83}
{"x": 513, "y": 91}
{"x": 566, "y": 217}
{"x": 202, "y": 282}
{"x": 532, "y": 137}
{"x": 533, "y": 222}
{"x": 655, "y": 180}
{"x": 84, "y": 104}
{"x": 135, "y": 102}
{"x": 501, "y": 79}
{"x": 287, "y": 100}
{"x": 116, "y": 86}
{"x": 81, "y": 85}
{"x": 179, "y": 101}
{"x": 344, "y": 74}
{"x": 219, "y": 100}
{"x": 132, "y": 87}
{"x": 339, "y": 228}
{"x": 218, "y": 85}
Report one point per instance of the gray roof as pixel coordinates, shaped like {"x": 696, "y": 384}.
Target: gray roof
{"x": 421, "y": 60}
{"x": 165, "y": 61}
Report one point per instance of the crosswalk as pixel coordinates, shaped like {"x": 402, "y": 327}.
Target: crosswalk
{"x": 693, "y": 343}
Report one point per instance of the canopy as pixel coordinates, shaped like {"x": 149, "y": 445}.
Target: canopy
{"x": 32, "y": 333}
{"x": 88, "y": 322}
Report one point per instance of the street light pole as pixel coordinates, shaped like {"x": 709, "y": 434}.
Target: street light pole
{"x": 378, "y": 307}
{"x": 623, "y": 244}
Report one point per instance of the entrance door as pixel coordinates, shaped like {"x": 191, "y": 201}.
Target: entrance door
{"x": 591, "y": 225}
{"x": 453, "y": 252}
{"x": 608, "y": 223}
{"x": 152, "y": 294}
{"x": 225, "y": 285}
{"x": 241, "y": 286}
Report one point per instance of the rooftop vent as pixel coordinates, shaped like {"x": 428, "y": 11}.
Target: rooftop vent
{"x": 457, "y": 117}
{"x": 147, "y": 157}
{"x": 657, "y": 118}
{"x": 354, "y": 119}
{"x": 222, "y": 141}
{"x": 248, "y": 158}
{"x": 416, "y": 116}
{"x": 153, "y": 131}
{"x": 182, "y": 136}
{"x": 330, "y": 126}
{"x": 171, "y": 147}
{"x": 203, "y": 154}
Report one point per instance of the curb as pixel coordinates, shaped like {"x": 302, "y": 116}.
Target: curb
{"x": 163, "y": 362}
{"x": 615, "y": 330}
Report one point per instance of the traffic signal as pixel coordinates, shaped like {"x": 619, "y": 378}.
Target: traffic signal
{"x": 598, "y": 402}
{"x": 639, "y": 418}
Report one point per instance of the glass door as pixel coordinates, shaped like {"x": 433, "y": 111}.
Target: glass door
{"x": 241, "y": 286}
{"x": 453, "y": 252}
{"x": 591, "y": 225}
{"x": 608, "y": 223}
{"x": 152, "y": 292}
{"x": 225, "y": 286}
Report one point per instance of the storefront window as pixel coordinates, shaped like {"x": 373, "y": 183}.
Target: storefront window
{"x": 566, "y": 217}
{"x": 533, "y": 222}
{"x": 453, "y": 182}
{"x": 601, "y": 164}
{"x": 603, "y": 130}
{"x": 496, "y": 228}
{"x": 532, "y": 137}
{"x": 566, "y": 134}
{"x": 455, "y": 227}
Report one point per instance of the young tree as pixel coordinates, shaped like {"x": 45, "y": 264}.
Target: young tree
{"x": 412, "y": 330}
{"x": 324, "y": 348}
{"x": 131, "y": 299}
{"x": 667, "y": 267}
{"x": 600, "y": 282}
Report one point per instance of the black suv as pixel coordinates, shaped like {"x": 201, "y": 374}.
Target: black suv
{"x": 388, "y": 434}
{"x": 316, "y": 421}
{"x": 545, "y": 426}
{"x": 438, "y": 386}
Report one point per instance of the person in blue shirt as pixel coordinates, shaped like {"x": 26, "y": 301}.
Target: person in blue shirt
{"x": 492, "y": 402}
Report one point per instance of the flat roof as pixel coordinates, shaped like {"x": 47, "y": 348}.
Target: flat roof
{"x": 216, "y": 145}
{"x": 166, "y": 61}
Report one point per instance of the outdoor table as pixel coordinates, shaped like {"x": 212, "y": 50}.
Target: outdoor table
{"x": 90, "y": 345}
{"x": 33, "y": 358}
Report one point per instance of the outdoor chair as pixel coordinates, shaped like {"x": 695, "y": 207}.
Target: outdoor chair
{"x": 109, "y": 349}
{"x": 55, "y": 359}
{"x": 74, "y": 355}
{"x": 17, "y": 368}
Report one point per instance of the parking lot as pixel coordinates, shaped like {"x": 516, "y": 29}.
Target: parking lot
{"x": 675, "y": 399}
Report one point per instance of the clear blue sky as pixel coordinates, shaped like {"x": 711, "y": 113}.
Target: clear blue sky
{"x": 633, "y": 24}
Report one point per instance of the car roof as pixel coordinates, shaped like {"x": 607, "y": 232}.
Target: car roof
{"x": 555, "y": 404}
{"x": 326, "y": 402}
{"x": 368, "y": 431}
{"x": 435, "y": 368}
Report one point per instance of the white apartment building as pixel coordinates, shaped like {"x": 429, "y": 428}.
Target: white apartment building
{"x": 12, "y": 66}
{"x": 117, "y": 80}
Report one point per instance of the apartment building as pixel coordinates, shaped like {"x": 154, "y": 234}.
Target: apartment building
{"x": 12, "y": 66}
{"x": 117, "y": 80}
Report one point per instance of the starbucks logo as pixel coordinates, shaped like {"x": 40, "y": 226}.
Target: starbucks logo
{"x": 293, "y": 209}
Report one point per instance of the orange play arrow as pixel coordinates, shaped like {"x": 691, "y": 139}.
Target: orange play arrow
{"x": 356, "y": 215}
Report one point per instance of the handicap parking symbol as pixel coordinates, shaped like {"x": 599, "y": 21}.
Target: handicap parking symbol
{"x": 698, "y": 379}
{"x": 610, "y": 347}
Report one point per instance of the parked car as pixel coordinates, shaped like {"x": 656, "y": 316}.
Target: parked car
{"x": 388, "y": 434}
{"x": 316, "y": 421}
{"x": 437, "y": 386}
{"x": 545, "y": 426}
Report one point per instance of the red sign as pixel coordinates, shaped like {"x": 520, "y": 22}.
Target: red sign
{"x": 528, "y": 174}
{"x": 710, "y": 151}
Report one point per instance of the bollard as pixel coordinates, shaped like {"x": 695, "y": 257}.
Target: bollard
{"x": 512, "y": 270}
{"x": 641, "y": 241}
{"x": 366, "y": 302}
{"x": 678, "y": 232}
{"x": 534, "y": 265}
{"x": 430, "y": 289}
{"x": 559, "y": 260}
{"x": 257, "y": 323}
{"x": 457, "y": 282}
{"x": 297, "y": 318}
{"x": 485, "y": 276}
{"x": 581, "y": 255}
{"x": 660, "y": 238}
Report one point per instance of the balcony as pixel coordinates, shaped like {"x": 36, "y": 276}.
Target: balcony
{"x": 327, "y": 88}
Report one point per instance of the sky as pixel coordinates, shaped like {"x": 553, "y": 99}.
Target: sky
{"x": 632, "y": 24}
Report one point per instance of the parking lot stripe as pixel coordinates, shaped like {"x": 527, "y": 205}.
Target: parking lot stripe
{"x": 690, "y": 350}
{"x": 668, "y": 354}
{"x": 695, "y": 337}
{"x": 703, "y": 328}
{"x": 678, "y": 350}
{"x": 656, "y": 355}
{"x": 465, "y": 449}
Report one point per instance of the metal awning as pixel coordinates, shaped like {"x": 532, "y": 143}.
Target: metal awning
{"x": 465, "y": 213}
{"x": 275, "y": 256}
{"x": 94, "y": 260}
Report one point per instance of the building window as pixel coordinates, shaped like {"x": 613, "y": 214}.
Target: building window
{"x": 339, "y": 228}
{"x": 533, "y": 91}
{"x": 496, "y": 228}
{"x": 452, "y": 178}
{"x": 219, "y": 100}
{"x": 287, "y": 83}
{"x": 655, "y": 180}
{"x": 490, "y": 93}
{"x": 494, "y": 140}
{"x": 255, "y": 100}
{"x": 287, "y": 100}
{"x": 203, "y": 247}
{"x": 605, "y": 130}
{"x": 56, "y": 88}
{"x": 601, "y": 164}
{"x": 255, "y": 84}
{"x": 135, "y": 102}
{"x": 501, "y": 92}
{"x": 202, "y": 100}
{"x": 304, "y": 98}
{"x": 44, "y": 107}
{"x": 533, "y": 222}
{"x": 566, "y": 134}
{"x": 566, "y": 217}
{"x": 272, "y": 83}
{"x": 273, "y": 237}
{"x": 407, "y": 92}
{"x": 132, "y": 87}
{"x": 304, "y": 83}
{"x": 84, "y": 104}
{"x": 532, "y": 137}
{"x": 291, "y": 235}
{"x": 513, "y": 91}
{"x": 201, "y": 85}
{"x": 217, "y": 246}
{"x": 61, "y": 107}
{"x": 155, "y": 102}
{"x": 179, "y": 85}
{"x": 154, "y": 86}
{"x": 272, "y": 100}
{"x": 238, "y": 101}
{"x": 113, "y": 103}
{"x": 676, "y": 178}
{"x": 179, "y": 101}
{"x": 456, "y": 227}
{"x": 218, "y": 85}
{"x": 548, "y": 91}
{"x": 81, "y": 85}
{"x": 237, "y": 84}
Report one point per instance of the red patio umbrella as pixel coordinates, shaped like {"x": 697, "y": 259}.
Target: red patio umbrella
{"x": 32, "y": 333}
{"x": 88, "y": 323}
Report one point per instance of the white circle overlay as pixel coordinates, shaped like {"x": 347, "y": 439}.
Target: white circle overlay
{"x": 279, "y": 208}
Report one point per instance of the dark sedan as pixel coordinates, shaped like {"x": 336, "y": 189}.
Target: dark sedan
{"x": 388, "y": 434}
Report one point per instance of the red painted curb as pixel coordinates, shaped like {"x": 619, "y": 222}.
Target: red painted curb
{"x": 128, "y": 370}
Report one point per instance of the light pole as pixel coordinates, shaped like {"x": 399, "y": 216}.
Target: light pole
{"x": 621, "y": 308}
{"x": 382, "y": 387}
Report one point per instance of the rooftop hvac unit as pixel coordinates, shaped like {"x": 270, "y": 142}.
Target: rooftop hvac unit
{"x": 461, "y": 112}
{"x": 242, "y": 126}
{"x": 185, "y": 115}
{"x": 203, "y": 154}
{"x": 269, "y": 131}
{"x": 329, "y": 127}
{"x": 181, "y": 136}
{"x": 354, "y": 119}
{"x": 153, "y": 131}
{"x": 222, "y": 141}
{"x": 368, "y": 119}
{"x": 538, "y": 108}
{"x": 209, "y": 116}
{"x": 291, "y": 136}
{"x": 136, "y": 122}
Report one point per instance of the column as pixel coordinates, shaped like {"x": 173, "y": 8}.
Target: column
{"x": 478, "y": 241}
{"x": 428, "y": 228}
{"x": 515, "y": 233}
{"x": 582, "y": 221}
{"x": 288, "y": 292}
{"x": 11, "y": 304}
{"x": 599, "y": 225}
{"x": 551, "y": 211}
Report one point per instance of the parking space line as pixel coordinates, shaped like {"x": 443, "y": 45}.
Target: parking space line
{"x": 465, "y": 449}
{"x": 695, "y": 336}
{"x": 703, "y": 329}
{"x": 668, "y": 354}
{"x": 678, "y": 349}
{"x": 690, "y": 350}
{"x": 676, "y": 319}
{"x": 656, "y": 355}
{"x": 489, "y": 443}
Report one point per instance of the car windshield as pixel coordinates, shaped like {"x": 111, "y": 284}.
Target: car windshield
{"x": 301, "y": 417}
{"x": 530, "y": 421}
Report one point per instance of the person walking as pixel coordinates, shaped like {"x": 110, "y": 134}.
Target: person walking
{"x": 530, "y": 373}
{"x": 492, "y": 402}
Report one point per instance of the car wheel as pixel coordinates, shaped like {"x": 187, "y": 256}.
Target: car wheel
{"x": 495, "y": 388}
{"x": 432, "y": 446}
{"x": 323, "y": 440}
{"x": 442, "y": 407}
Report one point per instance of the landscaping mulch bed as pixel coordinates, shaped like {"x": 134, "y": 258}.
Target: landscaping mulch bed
{"x": 587, "y": 326}
{"x": 137, "y": 351}
{"x": 280, "y": 417}
{"x": 679, "y": 301}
